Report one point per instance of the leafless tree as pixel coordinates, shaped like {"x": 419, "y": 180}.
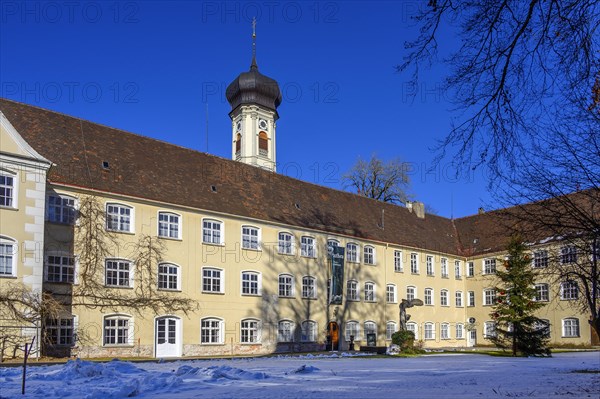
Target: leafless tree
{"x": 380, "y": 180}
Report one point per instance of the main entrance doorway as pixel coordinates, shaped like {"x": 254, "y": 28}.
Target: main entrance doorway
{"x": 168, "y": 337}
{"x": 472, "y": 341}
{"x": 333, "y": 331}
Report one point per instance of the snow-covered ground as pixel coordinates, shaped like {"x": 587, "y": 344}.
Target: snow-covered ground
{"x": 308, "y": 377}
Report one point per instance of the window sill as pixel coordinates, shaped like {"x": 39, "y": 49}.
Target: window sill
{"x": 213, "y": 292}
{"x": 118, "y": 346}
{"x": 212, "y": 343}
{"x": 570, "y": 336}
{"x": 57, "y": 223}
{"x": 131, "y": 233}
{"x": 214, "y": 244}
{"x": 170, "y": 238}
{"x": 308, "y": 257}
{"x": 121, "y": 287}
{"x": 446, "y": 277}
{"x": 371, "y": 301}
{"x": 414, "y": 273}
{"x": 286, "y": 253}
{"x": 286, "y": 297}
{"x": 251, "y": 343}
{"x": 9, "y": 208}
{"x": 431, "y": 275}
{"x": 252, "y": 249}
{"x": 309, "y": 298}
{"x": 352, "y": 300}
{"x": 398, "y": 271}
{"x": 9, "y": 276}
{"x": 59, "y": 282}
{"x": 252, "y": 295}
{"x": 169, "y": 289}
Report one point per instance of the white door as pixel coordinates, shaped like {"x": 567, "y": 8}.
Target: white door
{"x": 168, "y": 337}
{"x": 472, "y": 341}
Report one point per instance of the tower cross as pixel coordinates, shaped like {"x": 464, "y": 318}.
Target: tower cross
{"x": 254, "y": 37}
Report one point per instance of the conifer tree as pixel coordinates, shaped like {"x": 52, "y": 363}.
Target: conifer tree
{"x": 517, "y": 327}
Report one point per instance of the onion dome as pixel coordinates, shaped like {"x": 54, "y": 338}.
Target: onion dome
{"x": 253, "y": 87}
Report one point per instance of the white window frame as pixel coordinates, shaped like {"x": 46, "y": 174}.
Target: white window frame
{"x": 428, "y": 296}
{"x": 540, "y": 259}
{"x": 369, "y": 255}
{"x": 444, "y": 267}
{"x": 251, "y": 284}
{"x": 429, "y": 265}
{"x": 9, "y": 256}
{"x": 414, "y": 263}
{"x": 444, "y": 331}
{"x": 309, "y": 331}
{"x": 429, "y": 331}
{"x": 460, "y": 331}
{"x": 470, "y": 298}
{"x": 168, "y": 225}
{"x": 352, "y": 252}
{"x": 489, "y": 329}
{"x": 67, "y": 212}
{"x": 542, "y": 292}
{"x": 61, "y": 328}
{"x": 398, "y": 264}
{"x": 458, "y": 299}
{"x": 208, "y": 280}
{"x": 457, "y": 269}
{"x": 390, "y": 328}
{"x": 352, "y": 327}
{"x": 352, "y": 291}
{"x": 208, "y": 326}
{"x": 61, "y": 266}
{"x": 414, "y": 327}
{"x": 470, "y": 269}
{"x": 119, "y": 271}
{"x": 369, "y": 327}
{"x": 120, "y": 217}
{"x": 444, "y": 298}
{"x": 14, "y": 196}
{"x": 288, "y": 286}
{"x": 309, "y": 287}
{"x": 390, "y": 293}
{"x": 489, "y": 266}
{"x": 489, "y": 297}
{"x": 251, "y": 238}
{"x": 569, "y": 290}
{"x": 250, "y": 331}
{"x": 168, "y": 275}
{"x": 285, "y": 243}
{"x": 308, "y": 248}
{"x": 411, "y": 292}
{"x": 209, "y": 232}
{"x": 568, "y": 254}
{"x": 120, "y": 339}
{"x": 369, "y": 292}
{"x": 286, "y": 331}
{"x": 570, "y": 327}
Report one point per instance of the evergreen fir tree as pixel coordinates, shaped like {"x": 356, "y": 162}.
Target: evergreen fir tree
{"x": 516, "y": 325}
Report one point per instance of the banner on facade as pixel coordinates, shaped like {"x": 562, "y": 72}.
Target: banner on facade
{"x": 336, "y": 254}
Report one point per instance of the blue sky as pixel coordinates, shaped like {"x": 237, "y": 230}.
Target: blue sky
{"x": 151, "y": 67}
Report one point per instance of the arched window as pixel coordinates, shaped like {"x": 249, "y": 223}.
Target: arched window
{"x": 263, "y": 144}
{"x": 309, "y": 331}
{"x": 118, "y": 330}
{"x": 352, "y": 329}
{"x": 390, "y": 328}
{"x": 238, "y": 144}
{"x": 250, "y": 331}
{"x": 168, "y": 276}
{"x": 211, "y": 331}
{"x": 429, "y": 331}
{"x": 412, "y": 326}
{"x": 285, "y": 331}
{"x": 352, "y": 293}
{"x": 428, "y": 296}
{"x": 369, "y": 291}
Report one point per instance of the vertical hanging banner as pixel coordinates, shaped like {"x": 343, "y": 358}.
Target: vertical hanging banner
{"x": 336, "y": 254}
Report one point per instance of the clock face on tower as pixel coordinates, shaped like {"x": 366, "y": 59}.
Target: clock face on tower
{"x": 262, "y": 124}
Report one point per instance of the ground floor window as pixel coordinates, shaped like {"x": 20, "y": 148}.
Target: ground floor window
{"x": 285, "y": 331}
{"x": 489, "y": 329}
{"x": 116, "y": 330}
{"x": 309, "y": 331}
{"x": 352, "y": 329}
{"x": 60, "y": 331}
{"x": 211, "y": 331}
{"x": 250, "y": 331}
{"x": 571, "y": 327}
{"x": 429, "y": 331}
{"x": 460, "y": 328}
{"x": 390, "y": 329}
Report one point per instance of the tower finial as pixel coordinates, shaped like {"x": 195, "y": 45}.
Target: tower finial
{"x": 254, "y": 66}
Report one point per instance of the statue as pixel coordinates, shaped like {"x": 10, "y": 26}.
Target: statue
{"x": 405, "y": 304}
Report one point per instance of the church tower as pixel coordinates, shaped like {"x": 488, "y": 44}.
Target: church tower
{"x": 254, "y": 99}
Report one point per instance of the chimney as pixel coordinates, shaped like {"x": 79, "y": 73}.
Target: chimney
{"x": 419, "y": 209}
{"x": 409, "y": 206}
{"x": 481, "y": 211}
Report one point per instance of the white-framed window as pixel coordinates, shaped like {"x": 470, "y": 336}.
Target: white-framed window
{"x": 542, "y": 292}
{"x": 471, "y": 299}
{"x": 369, "y": 255}
{"x": 568, "y": 254}
{"x": 119, "y": 217}
{"x": 460, "y": 331}
{"x": 309, "y": 287}
{"x": 168, "y": 277}
{"x": 489, "y": 297}
{"x": 332, "y": 242}
{"x": 251, "y": 283}
{"x": 8, "y": 191}
{"x": 370, "y": 328}
{"x": 60, "y": 268}
{"x": 398, "y": 266}
{"x": 414, "y": 263}
{"x": 470, "y": 269}
{"x": 119, "y": 273}
{"x": 212, "y": 231}
{"x": 390, "y": 293}
{"x": 118, "y": 330}
{"x": 307, "y": 247}
{"x": 444, "y": 331}
{"x": 429, "y": 329}
{"x": 309, "y": 331}
{"x": 489, "y": 266}
{"x": 428, "y": 296}
{"x": 411, "y": 293}
{"x": 169, "y": 225}
{"x": 444, "y": 297}
{"x": 250, "y": 237}
{"x": 458, "y": 299}
{"x": 489, "y": 329}
{"x": 352, "y": 252}
{"x": 60, "y": 331}
{"x": 285, "y": 243}
{"x": 457, "y": 270}
{"x": 369, "y": 291}
{"x": 412, "y": 326}
{"x": 429, "y": 265}
{"x": 390, "y": 328}
{"x": 8, "y": 257}
{"x": 540, "y": 259}
{"x": 569, "y": 290}
{"x": 570, "y": 327}
{"x": 250, "y": 331}
{"x": 444, "y": 267}
{"x": 285, "y": 331}
{"x": 352, "y": 290}
{"x": 211, "y": 331}
{"x": 212, "y": 280}
{"x": 61, "y": 209}
{"x": 286, "y": 285}
{"x": 352, "y": 329}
